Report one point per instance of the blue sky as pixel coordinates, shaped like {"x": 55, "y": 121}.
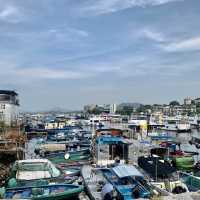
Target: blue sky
{"x": 68, "y": 53}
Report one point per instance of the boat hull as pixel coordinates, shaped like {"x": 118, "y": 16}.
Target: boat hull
{"x": 67, "y": 192}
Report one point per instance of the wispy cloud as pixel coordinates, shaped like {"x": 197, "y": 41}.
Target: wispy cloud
{"x": 108, "y": 6}
{"x": 153, "y": 35}
{"x": 10, "y": 14}
{"x": 45, "y": 73}
{"x": 191, "y": 44}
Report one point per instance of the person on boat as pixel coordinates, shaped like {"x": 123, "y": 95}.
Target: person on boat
{"x": 107, "y": 192}
{"x": 117, "y": 161}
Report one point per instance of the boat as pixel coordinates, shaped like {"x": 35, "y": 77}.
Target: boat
{"x": 161, "y": 174}
{"x": 31, "y": 172}
{"x": 173, "y": 124}
{"x": 128, "y": 182}
{"x": 69, "y": 170}
{"x": 192, "y": 180}
{"x": 63, "y": 157}
{"x": 43, "y": 147}
{"x": 47, "y": 192}
{"x": 93, "y": 181}
{"x": 180, "y": 159}
{"x": 156, "y": 136}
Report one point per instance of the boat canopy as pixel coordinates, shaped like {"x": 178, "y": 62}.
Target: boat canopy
{"x": 126, "y": 170}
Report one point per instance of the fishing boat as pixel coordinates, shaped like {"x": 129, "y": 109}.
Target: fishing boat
{"x": 65, "y": 158}
{"x": 69, "y": 170}
{"x": 180, "y": 159}
{"x": 161, "y": 174}
{"x": 128, "y": 182}
{"x": 47, "y": 192}
{"x": 29, "y": 172}
{"x": 192, "y": 180}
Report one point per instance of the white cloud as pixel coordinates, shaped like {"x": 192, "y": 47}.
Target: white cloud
{"x": 190, "y": 44}
{"x": 108, "y": 6}
{"x": 153, "y": 35}
{"x": 10, "y": 14}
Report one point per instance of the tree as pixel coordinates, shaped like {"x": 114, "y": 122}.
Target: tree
{"x": 174, "y": 103}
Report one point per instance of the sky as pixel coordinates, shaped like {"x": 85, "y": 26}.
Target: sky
{"x": 68, "y": 53}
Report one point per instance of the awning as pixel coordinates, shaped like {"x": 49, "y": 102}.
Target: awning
{"x": 126, "y": 170}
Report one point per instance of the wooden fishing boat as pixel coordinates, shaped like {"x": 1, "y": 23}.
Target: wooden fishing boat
{"x": 47, "y": 192}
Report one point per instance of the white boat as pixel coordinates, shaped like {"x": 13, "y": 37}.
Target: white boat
{"x": 173, "y": 124}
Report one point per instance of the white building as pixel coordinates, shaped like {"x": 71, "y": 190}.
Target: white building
{"x": 9, "y": 107}
{"x": 113, "y": 108}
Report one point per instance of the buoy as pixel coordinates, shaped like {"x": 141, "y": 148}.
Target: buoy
{"x": 67, "y": 156}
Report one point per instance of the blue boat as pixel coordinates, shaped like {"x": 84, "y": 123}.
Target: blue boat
{"x": 128, "y": 182}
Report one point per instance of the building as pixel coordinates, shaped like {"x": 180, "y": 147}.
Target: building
{"x": 113, "y": 108}
{"x": 9, "y": 107}
{"x": 197, "y": 101}
{"x": 188, "y": 101}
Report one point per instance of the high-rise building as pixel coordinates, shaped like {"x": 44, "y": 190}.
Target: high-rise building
{"x": 9, "y": 107}
{"x": 113, "y": 108}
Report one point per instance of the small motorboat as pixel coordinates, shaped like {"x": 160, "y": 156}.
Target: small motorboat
{"x": 37, "y": 172}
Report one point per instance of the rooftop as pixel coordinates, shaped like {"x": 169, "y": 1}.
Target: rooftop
{"x": 8, "y": 92}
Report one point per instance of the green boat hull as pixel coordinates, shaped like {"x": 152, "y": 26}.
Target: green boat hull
{"x": 184, "y": 163}
{"x": 61, "y": 159}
